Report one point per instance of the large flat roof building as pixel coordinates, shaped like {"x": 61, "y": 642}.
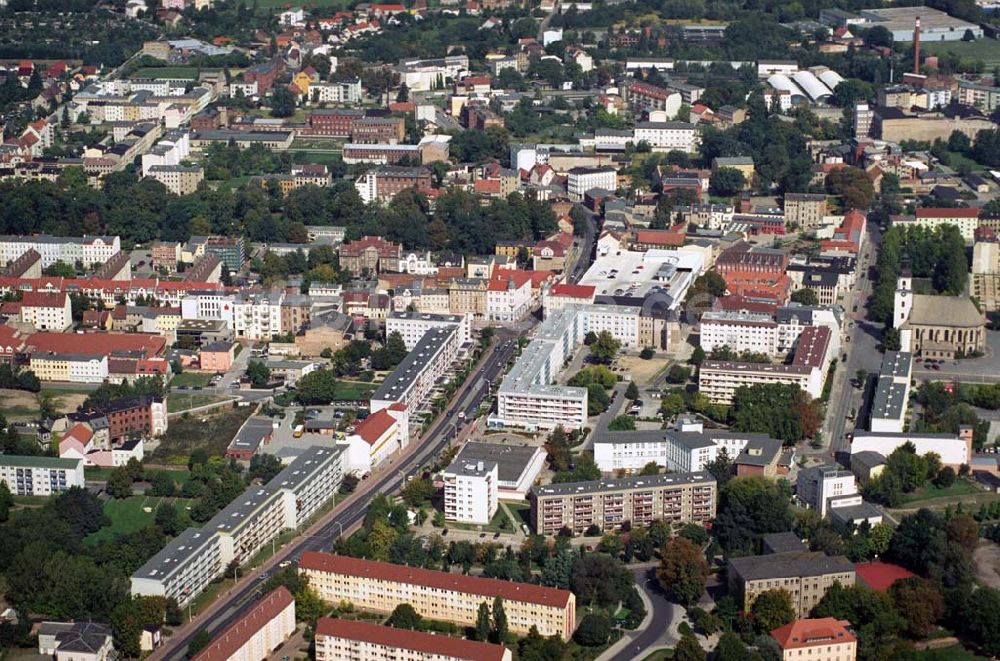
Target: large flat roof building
{"x": 197, "y": 556}
{"x": 805, "y": 575}
{"x": 675, "y": 497}
{"x": 380, "y": 587}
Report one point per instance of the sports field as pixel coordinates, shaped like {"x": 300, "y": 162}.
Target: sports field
{"x": 987, "y": 50}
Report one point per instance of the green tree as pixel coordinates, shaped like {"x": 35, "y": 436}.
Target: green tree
{"x": 6, "y": 502}
{"x": 689, "y": 649}
{"x": 404, "y": 616}
{"x": 622, "y": 423}
{"x": 167, "y": 519}
{"x": 651, "y": 468}
{"x": 309, "y": 607}
{"x": 417, "y": 492}
{"x": 119, "y": 484}
{"x": 853, "y": 186}
{"x": 731, "y": 648}
{"x": 483, "y": 622}
{"x": 605, "y": 348}
{"x": 683, "y": 571}
{"x": 805, "y": 297}
{"x": 750, "y": 507}
{"x": 282, "y": 102}
{"x": 727, "y": 181}
{"x": 632, "y": 392}
{"x": 259, "y": 373}
{"x": 199, "y": 641}
{"x": 597, "y": 399}
{"x": 594, "y": 630}
{"x": 499, "y": 621}
{"x": 772, "y": 609}
{"x": 921, "y": 604}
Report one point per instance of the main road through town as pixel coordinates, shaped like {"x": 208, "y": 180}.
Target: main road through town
{"x": 349, "y": 514}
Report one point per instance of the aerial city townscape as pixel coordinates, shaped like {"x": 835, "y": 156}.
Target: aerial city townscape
{"x": 499, "y": 330}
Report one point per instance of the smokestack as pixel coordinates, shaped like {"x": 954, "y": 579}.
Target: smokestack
{"x": 916, "y": 47}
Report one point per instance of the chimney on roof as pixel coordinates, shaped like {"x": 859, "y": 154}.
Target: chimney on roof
{"x": 916, "y": 47}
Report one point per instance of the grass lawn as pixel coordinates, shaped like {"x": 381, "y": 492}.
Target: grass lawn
{"x": 30, "y": 501}
{"x": 987, "y": 50}
{"x": 956, "y": 160}
{"x": 660, "y": 655}
{"x": 128, "y": 515}
{"x": 212, "y": 432}
{"x": 959, "y": 488}
{"x": 500, "y": 523}
{"x": 190, "y": 380}
{"x": 521, "y": 512}
{"x": 327, "y": 158}
{"x": 186, "y": 73}
{"x": 353, "y": 390}
{"x": 953, "y": 653}
{"x": 184, "y": 401}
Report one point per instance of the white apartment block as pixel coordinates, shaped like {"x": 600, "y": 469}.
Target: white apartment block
{"x": 966, "y": 220}
{"x": 208, "y": 305}
{"x": 688, "y": 448}
{"x": 259, "y": 632}
{"x": 380, "y": 586}
{"x": 345, "y": 91}
{"x": 508, "y": 301}
{"x": 412, "y": 326}
{"x": 47, "y": 312}
{"x": 248, "y": 90}
{"x": 195, "y": 558}
{"x": 470, "y": 491}
{"x": 667, "y": 136}
{"x": 89, "y": 249}
{"x": 527, "y": 397}
{"x": 581, "y": 180}
{"x": 953, "y": 450}
{"x": 815, "y": 487}
{"x": 40, "y": 476}
{"x": 171, "y": 149}
{"x": 888, "y": 413}
{"x": 338, "y": 639}
{"x": 258, "y": 316}
{"x": 718, "y": 379}
{"x": 412, "y": 380}
{"x": 761, "y": 333}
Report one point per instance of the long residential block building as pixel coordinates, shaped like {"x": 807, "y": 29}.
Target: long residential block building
{"x": 338, "y": 639}
{"x": 89, "y": 250}
{"x": 412, "y": 380}
{"x": 380, "y": 587}
{"x": 195, "y": 558}
{"x": 412, "y": 326}
{"x": 261, "y": 630}
{"x": 805, "y": 575}
{"x": 40, "y": 476}
{"x": 675, "y": 497}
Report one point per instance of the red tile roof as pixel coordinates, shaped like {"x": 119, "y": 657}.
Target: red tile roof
{"x": 573, "y": 291}
{"x": 485, "y": 587}
{"x": 372, "y": 427}
{"x": 103, "y": 344}
{"x": 660, "y": 237}
{"x": 880, "y": 575}
{"x": 488, "y": 186}
{"x": 33, "y": 299}
{"x": 224, "y": 646}
{"x": 813, "y": 633}
{"x": 947, "y": 213}
{"x": 430, "y": 644}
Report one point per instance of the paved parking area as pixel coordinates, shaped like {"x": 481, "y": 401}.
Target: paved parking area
{"x": 973, "y": 370}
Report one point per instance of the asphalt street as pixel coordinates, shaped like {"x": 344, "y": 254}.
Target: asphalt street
{"x": 659, "y": 630}
{"x": 235, "y": 602}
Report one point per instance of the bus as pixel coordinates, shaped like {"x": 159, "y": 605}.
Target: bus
{"x": 297, "y": 431}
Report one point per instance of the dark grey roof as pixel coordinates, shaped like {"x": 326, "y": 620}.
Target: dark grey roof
{"x": 83, "y": 637}
{"x": 782, "y": 542}
{"x": 851, "y": 513}
{"x": 896, "y": 363}
{"x": 761, "y": 450}
{"x": 397, "y": 383}
{"x": 867, "y": 459}
{"x": 624, "y": 484}
{"x": 890, "y": 399}
{"x": 789, "y": 564}
{"x": 511, "y": 460}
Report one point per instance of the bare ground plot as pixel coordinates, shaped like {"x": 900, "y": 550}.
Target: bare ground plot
{"x": 23, "y": 405}
{"x": 642, "y": 371}
{"x": 987, "y": 561}
{"x": 209, "y": 432}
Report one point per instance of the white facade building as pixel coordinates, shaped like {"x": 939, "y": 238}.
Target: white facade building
{"x": 88, "y": 249}
{"x": 40, "y": 476}
{"x": 581, "y": 180}
{"x": 345, "y": 91}
{"x": 258, "y": 316}
{"x": 412, "y": 326}
{"x": 953, "y": 450}
{"x": 470, "y": 491}
{"x": 667, "y": 136}
{"x": 197, "y": 556}
{"x": 412, "y": 380}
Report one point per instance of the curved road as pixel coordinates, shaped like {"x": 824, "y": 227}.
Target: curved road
{"x": 658, "y": 633}
{"x": 350, "y": 513}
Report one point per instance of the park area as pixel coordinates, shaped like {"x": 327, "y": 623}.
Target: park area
{"x": 131, "y": 514}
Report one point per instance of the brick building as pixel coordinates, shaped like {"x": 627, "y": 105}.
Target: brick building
{"x": 371, "y": 253}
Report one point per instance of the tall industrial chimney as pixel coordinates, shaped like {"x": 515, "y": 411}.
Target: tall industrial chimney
{"x": 916, "y": 47}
